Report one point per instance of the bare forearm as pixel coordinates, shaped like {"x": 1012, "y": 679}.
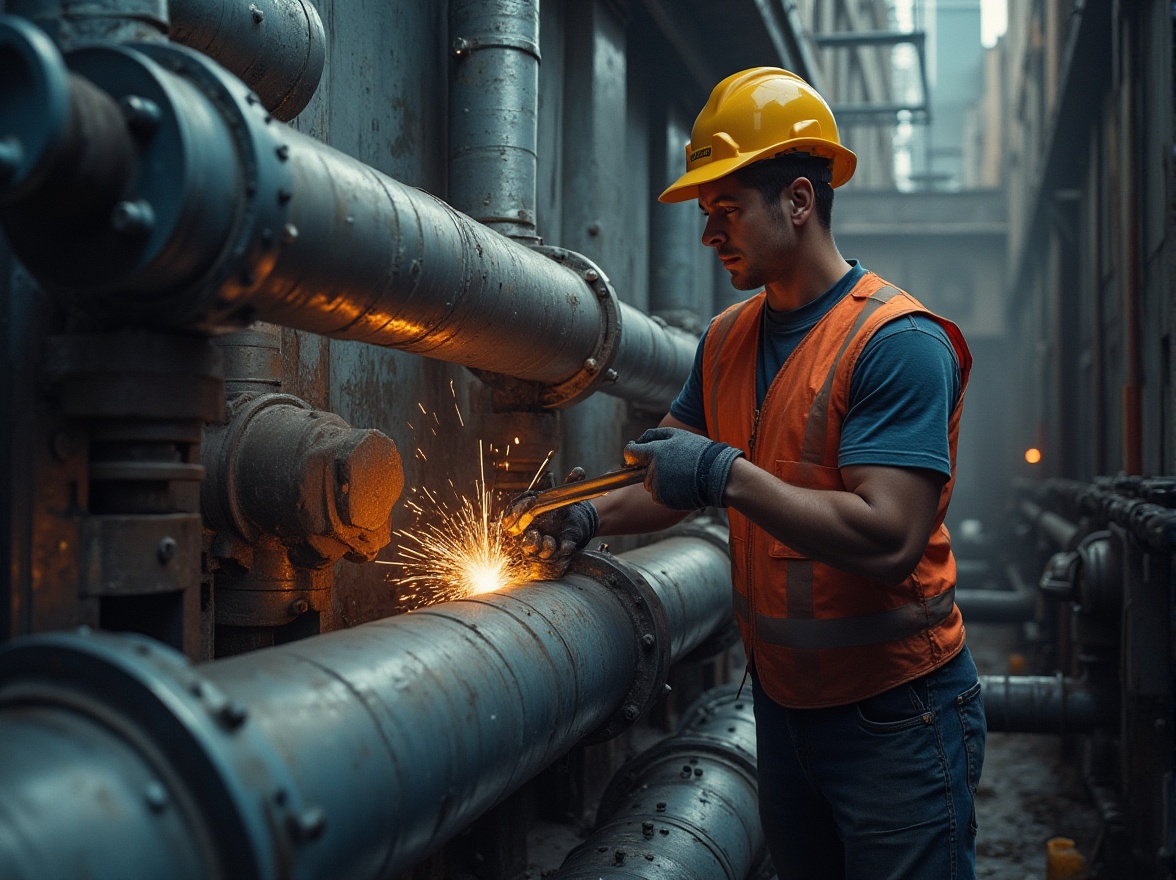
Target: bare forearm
{"x": 631, "y": 511}
{"x": 880, "y": 530}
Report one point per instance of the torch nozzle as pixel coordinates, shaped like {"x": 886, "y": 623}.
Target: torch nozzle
{"x": 570, "y": 493}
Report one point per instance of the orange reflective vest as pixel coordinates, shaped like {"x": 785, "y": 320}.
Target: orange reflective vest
{"x": 819, "y": 636}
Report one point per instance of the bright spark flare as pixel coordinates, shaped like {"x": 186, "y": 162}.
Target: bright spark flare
{"x": 461, "y": 552}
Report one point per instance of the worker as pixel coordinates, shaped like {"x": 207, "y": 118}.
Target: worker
{"x": 823, "y": 413}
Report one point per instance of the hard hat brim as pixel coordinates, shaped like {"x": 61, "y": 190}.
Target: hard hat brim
{"x": 685, "y": 187}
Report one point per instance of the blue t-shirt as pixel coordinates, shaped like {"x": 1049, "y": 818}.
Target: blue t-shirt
{"x": 903, "y": 390}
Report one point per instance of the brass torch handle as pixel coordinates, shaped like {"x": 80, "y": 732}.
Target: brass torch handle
{"x": 570, "y": 493}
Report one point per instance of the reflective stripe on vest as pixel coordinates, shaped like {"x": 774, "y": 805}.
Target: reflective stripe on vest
{"x": 850, "y": 632}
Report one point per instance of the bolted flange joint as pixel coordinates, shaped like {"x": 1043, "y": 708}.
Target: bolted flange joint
{"x": 650, "y": 632}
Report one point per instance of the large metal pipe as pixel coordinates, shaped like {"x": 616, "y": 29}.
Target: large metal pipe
{"x": 277, "y": 47}
{"x": 685, "y": 808}
{"x": 1046, "y": 704}
{"x": 271, "y": 224}
{"x": 493, "y": 113}
{"x": 352, "y": 754}
{"x": 80, "y": 22}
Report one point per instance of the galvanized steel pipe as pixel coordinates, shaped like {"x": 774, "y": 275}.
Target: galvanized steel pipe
{"x": 287, "y": 230}
{"x": 493, "y": 113}
{"x": 686, "y": 808}
{"x": 277, "y": 47}
{"x": 352, "y": 754}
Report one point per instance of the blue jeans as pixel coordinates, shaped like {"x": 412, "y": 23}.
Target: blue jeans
{"x": 882, "y": 789}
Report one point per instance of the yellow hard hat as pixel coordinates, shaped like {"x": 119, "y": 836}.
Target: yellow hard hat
{"x": 757, "y": 114}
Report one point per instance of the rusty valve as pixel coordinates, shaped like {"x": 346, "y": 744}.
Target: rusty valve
{"x": 282, "y": 468}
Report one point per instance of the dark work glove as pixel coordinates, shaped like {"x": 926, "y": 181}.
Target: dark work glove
{"x": 552, "y": 538}
{"x": 686, "y": 470}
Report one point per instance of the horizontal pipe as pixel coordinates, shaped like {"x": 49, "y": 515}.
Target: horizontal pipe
{"x": 685, "y": 808}
{"x": 352, "y": 754}
{"x": 309, "y": 238}
{"x": 1045, "y": 704}
{"x": 997, "y": 606}
{"x": 1059, "y": 530}
{"x": 277, "y": 47}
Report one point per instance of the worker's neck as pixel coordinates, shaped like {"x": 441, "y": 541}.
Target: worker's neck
{"x": 818, "y": 266}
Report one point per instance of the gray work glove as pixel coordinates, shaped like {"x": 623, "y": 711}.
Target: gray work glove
{"x": 552, "y": 538}
{"x": 686, "y": 470}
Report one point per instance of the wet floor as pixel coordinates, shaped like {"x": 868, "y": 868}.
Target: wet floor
{"x": 1030, "y": 789}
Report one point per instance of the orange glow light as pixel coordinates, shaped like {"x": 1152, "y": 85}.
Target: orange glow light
{"x": 1033, "y": 455}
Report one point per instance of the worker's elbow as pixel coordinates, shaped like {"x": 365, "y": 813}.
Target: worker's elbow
{"x": 896, "y": 566}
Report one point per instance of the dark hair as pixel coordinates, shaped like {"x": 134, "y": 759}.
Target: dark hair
{"x": 772, "y": 176}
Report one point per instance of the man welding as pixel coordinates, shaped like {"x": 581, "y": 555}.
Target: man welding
{"x": 823, "y": 412}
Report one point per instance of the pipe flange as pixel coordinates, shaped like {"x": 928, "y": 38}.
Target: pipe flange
{"x": 160, "y": 705}
{"x": 651, "y": 633}
{"x": 261, "y": 226}
{"x": 597, "y": 367}
{"x": 234, "y": 189}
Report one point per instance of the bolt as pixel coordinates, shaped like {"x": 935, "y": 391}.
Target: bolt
{"x": 284, "y": 196}
{"x": 697, "y": 771}
{"x": 630, "y": 712}
{"x": 258, "y": 15}
{"x": 282, "y": 151}
{"x": 462, "y": 47}
{"x": 289, "y": 234}
{"x": 299, "y": 606}
{"x": 11, "y": 154}
{"x": 133, "y": 219}
{"x": 591, "y": 275}
{"x": 619, "y": 857}
{"x": 591, "y": 366}
{"x": 648, "y": 640}
{"x": 666, "y": 689}
{"x": 594, "y": 229}
{"x": 142, "y": 114}
{"x": 307, "y": 825}
{"x": 647, "y": 830}
{"x": 232, "y": 714}
{"x": 661, "y": 806}
{"x": 156, "y": 796}
{"x": 166, "y": 549}
{"x": 611, "y": 376}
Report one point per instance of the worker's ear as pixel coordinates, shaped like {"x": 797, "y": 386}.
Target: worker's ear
{"x": 800, "y": 199}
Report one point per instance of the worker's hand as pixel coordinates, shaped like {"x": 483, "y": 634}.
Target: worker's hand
{"x": 552, "y": 538}
{"x": 686, "y": 470}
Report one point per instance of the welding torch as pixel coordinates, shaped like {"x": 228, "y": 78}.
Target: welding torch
{"x": 582, "y": 490}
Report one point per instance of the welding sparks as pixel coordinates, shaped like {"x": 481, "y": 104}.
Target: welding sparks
{"x": 456, "y": 548}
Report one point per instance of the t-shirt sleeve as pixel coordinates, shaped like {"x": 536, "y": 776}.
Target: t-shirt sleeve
{"x": 904, "y": 387}
{"x": 687, "y": 406}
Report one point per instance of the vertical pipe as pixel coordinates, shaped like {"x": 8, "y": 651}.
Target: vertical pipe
{"x": 673, "y": 287}
{"x": 493, "y": 113}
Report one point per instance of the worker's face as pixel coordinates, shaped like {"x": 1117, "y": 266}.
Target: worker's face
{"x": 754, "y": 244}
